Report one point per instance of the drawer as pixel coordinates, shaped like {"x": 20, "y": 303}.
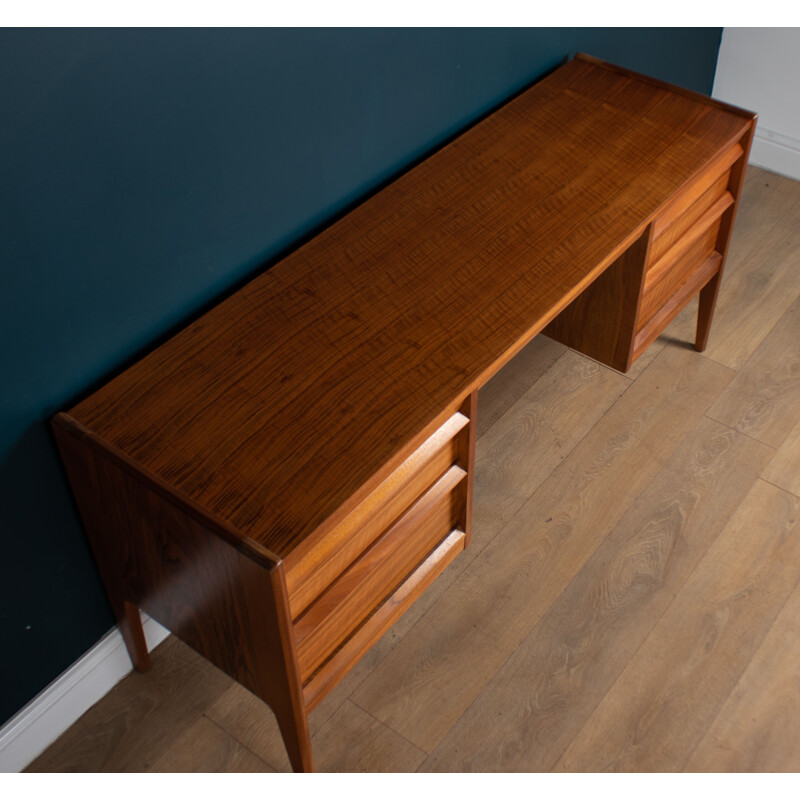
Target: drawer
{"x": 346, "y": 656}
{"x": 713, "y": 201}
{"x": 676, "y": 302}
{"x": 309, "y": 571}
{"x": 675, "y": 268}
{"x": 373, "y": 577}
{"x": 691, "y": 202}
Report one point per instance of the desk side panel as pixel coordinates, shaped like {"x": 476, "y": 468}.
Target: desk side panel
{"x": 601, "y": 322}
{"x": 153, "y": 555}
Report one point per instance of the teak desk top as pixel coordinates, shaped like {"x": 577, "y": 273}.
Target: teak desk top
{"x": 285, "y": 404}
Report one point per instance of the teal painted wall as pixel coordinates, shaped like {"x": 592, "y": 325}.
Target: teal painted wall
{"x": 146, "y": 173}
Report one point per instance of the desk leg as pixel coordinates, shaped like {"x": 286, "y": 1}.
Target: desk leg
{"x": 283, "y": 690}
{"x": 80, "y": 464}
{"x": 708, "y": 294}
{"x": 130, "y": 624}
{"x": 296, "y": 740}
{"x": 707, "y": 303}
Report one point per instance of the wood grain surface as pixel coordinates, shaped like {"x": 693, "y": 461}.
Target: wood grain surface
{"x": 657, "y": 712}
{"x": 497, "y": 396}
{"x": 144, "y": 715}
{"x": 227, "y": 606}
{"x": 673, "y": 305}
{"x": 281, "y": 404}
{"x": 602, "y": 321}
{"x": 341, "y": 608}
{"x": 205, "y": 747}
{"x": 691, "y": 202}
{"x": 758, "y": 728}
{"x": 323, "y": 557}
{"x": 545, "y": 692}
{"x": 520, "y": 451}
{"x": 354, "y": 740}
{"x": 345, "y": 658}
{"x": 763, "y": 400}
{"x": 784, "y": 469}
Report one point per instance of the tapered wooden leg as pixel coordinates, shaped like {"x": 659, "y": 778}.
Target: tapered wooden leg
{"x": 708, "y": 301}
{"x": 130, "y": 623}
{"x": 297, "y": 740}
{"x": 708, "y": 294}
{"x": 81, "y": 463}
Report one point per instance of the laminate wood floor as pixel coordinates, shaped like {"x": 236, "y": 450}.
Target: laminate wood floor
{"x": 631, "y": 598}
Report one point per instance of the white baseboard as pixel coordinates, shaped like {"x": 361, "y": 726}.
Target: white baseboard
{"x": 776, "y": 152}
{"x": 59, "y": 705}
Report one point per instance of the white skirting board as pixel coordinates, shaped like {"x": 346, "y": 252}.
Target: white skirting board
{"x": 776, "y": 152}
{"x": 55, "y": 708}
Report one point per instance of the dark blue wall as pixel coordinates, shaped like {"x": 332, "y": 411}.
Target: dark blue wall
{"x": 144, "y": 173}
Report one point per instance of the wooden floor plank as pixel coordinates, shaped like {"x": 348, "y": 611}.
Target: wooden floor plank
{"x": 250, "y": 721}
{"x": 354, "y": 741}
{"x": 515, "y": 378}
{"x": 206, "y": 748}
{"x": 523, "y": 447}
{"x": 758, "y": 728}
{"x": 767, "y": 198}
{"x": 669, "y": 693}
{"x": 143, "y": 715}
{"x": 784, "y": 469}
{"x": 441, "y": 666}
{"x": 763, "y": 400}
{"x": 344, "y": 737}
{"x": 545, "y": 692}
{"x": 645, "y": 359}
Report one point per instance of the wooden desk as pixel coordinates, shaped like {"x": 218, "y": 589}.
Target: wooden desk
{"x": 278, "y": 482}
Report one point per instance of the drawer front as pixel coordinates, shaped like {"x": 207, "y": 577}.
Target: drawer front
{"x": 671, "y": 273}
{"x": 346, "y": 656}
{"x": 716, "y": 196}
{"x": 355, "y": 595}
{"x": 669, "y": 310}
{"x": 688, "y": 205}
{"x": 308, "y": 575}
